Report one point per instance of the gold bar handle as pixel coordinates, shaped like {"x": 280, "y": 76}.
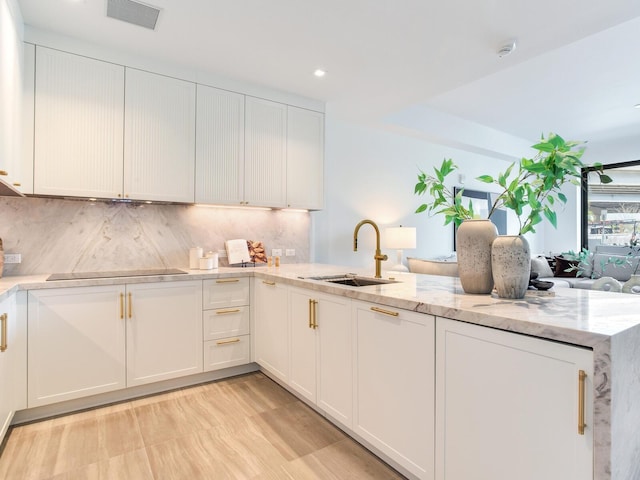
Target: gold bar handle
{"x": 228, "y": 280}
{"x": 121, "y": 306}
{"x": 581, "y": 401}
{"x": 4, "y": 173}
{"x": 227, "y": 342}
{"x": 315, "y": 313}
{"x": 3, "y": 340}
{"x": 130, "y": 305}
{"x": 271, "y": 284}
{"x": 386, "y": 312}
{"x": 310, "y": 313}
{"x": 225, "y": 312}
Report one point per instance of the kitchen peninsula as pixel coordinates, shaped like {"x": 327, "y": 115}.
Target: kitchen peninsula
{"x": 604, "y": 326}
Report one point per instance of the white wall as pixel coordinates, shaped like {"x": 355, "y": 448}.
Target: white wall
{"x": 372, "y": 173}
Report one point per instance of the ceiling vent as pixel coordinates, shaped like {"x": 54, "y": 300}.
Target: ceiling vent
{"x": 133, "y": 12}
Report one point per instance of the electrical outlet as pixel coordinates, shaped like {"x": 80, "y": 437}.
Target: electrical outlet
{"x": 12, "y": 258}
{"x": 222, "y": 253}
{"x": 276, "y": 252}
{"x": 290, "y": 252}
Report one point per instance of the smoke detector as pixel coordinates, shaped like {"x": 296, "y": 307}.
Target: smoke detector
{"x": 506, "y": 49}
{"x": 133, "y": 12}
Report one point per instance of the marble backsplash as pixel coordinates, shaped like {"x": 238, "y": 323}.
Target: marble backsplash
{"x": 59, "y": 235}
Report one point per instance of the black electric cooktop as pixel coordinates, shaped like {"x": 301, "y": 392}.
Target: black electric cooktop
{"x": 119, "y": 273}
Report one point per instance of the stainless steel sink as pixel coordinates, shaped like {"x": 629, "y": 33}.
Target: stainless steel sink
{"x": 353, "y": 280}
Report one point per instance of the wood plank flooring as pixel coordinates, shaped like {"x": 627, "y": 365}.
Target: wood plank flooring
{"x": 246, "y": 427}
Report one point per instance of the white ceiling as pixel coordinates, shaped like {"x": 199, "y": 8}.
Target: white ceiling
{"x": 575, "y": 70}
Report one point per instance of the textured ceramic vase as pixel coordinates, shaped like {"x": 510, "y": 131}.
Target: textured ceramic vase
{"x": 632, "y": 285}
{"x": 511, "y": 265}
{"x": 473, "y": 248}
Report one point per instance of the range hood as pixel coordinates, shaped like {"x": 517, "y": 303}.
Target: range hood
{"x": 7, "y": 190}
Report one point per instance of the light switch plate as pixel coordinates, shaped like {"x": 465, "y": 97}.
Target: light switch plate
{"x": 12, "y": 258}
{"x": 276, "y": 252}
{"x": 290, "y": 252}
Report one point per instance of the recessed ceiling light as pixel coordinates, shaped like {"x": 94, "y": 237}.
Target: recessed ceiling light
{"x": 319, "y": 73}
{"x": 637, "y": 105}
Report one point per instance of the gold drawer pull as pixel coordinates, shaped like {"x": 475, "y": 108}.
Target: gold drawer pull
{"x": 17, "y": 184}
{"x": 386, "y": 312}
{"x": 228, "y": 280}
{"x": 227, "y": 342}
{"x": 581, "y": 400}
{"x": 130, "y": 305}
{"x": 310, "y": 313}
{"x": 3, "y": 340}
{"x": 121, "y": 305}
{"x": 224, "y": 312}
{"x": 271, "y": 284}
{"x": 4, "y": 173}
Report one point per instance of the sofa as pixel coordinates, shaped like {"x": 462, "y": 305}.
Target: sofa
{"x": 615, "y": 261}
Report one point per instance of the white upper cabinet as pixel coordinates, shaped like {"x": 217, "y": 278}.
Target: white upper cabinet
{"x": 159, "y": 147}
{"x": 305, "y": 158}
{"x": 78, "y": 125}
{"x": 219, "y": 147}
{"x": 265, "y": 153}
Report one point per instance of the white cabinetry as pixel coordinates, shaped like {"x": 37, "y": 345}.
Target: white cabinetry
{"x": 79, "y": 108}
{"x": 272, "y": 328}
{"x": 159, "y": 146}
{"x": 508, "y": 406}
{"x": 321, "y": 346}
{"x": 13, "y": 362}
{"x": 265, "y": 153}
{"x": 394, "y": 384}
{"x": 305, "y": 158}
{"x": 164, "y": 331}
{"x": 219, "y": 147}
{"x": 76, "y": 343}
{"x": 80, "y": 337}
{"x": 226, "y": 319}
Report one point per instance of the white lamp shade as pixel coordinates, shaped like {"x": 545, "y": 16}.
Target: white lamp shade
{"x": 400, "y": 237}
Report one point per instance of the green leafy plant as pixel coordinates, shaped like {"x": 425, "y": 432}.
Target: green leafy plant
{"x": 531, "y": 187}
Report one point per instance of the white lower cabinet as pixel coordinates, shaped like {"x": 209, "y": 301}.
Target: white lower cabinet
{"x": 272, "y": 328}
{"x": 321, "y": 346}
{"x": 226, "y": 328}
{"x": 76, "y": 343}
{"x": 89, "y": 340}
{"x": 164, "y": 331}
{"x": 13, "y": 362}
{"x": 394, "y": 370}
{"x": 508, "y": 406}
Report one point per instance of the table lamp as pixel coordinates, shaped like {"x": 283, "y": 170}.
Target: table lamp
{"x": 400, "y": 238}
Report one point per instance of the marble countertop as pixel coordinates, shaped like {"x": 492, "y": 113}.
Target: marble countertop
{"x": 576, "y": 316}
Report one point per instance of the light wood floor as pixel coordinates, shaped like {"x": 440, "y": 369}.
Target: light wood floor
{"x": 246, "y": 427}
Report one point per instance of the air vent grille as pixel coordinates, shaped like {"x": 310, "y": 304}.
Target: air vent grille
{"x": 133, "y": 12}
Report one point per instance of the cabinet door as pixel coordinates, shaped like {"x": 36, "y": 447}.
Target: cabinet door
{"x": 305, "y": 158}
{"x": 164, "y": 331}
{"x": 265, "y": 153}
{"x": 303, "y": 340}
{"x": 272, "y": 328}
{"x": 159, "y": 141}
{"x": 219, "y": 147}
{"x": 8, "y": 360}
{"x": 507, "y": 406}
{"x": 79, "y": 107}
{"x": 394, "y": 392}
{"x": 76, "y": 340}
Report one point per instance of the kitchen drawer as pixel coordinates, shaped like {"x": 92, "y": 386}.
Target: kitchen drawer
{"x": 225, "y": 292}
{"x": 225, "y": 322}
{"x": 227, "y": 352}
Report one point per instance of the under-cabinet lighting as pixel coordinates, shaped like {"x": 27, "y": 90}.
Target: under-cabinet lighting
{"x": 297, "y": 210}
{"x": 241, "y": 207}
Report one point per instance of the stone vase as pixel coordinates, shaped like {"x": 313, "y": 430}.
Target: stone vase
{"x": 473, "y": 248}
{"x": 511, "y": 265}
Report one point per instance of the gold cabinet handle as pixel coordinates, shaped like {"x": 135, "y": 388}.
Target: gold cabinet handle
{"x": 581, "y": 401}
{"x": 310, "y": 313}
{"x": 3, "y": 340}
{"x": 121, "y": 306}
{"x": 271, "y": 284}
{"x": 17, "y": 184}
{"x": 130, "y": 305}
{"x": 227, "y": 342}
{"x": 4, "y": 173}
{"x": 386, "y": 312}
{"x": 225, "y": 312}
{"x": 228, "y": 280}
{"x": 315, "y": 313}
